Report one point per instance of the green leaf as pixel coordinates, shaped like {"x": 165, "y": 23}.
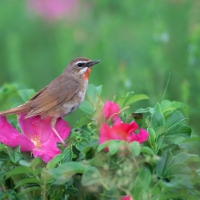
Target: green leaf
{"x": 103, "y": 146}
{"x": 147, "y": 150}
{"x": 19, "y": 170}
{"x": 169, "y": 106}
{"x": 157, "y": 120}
{"x": 25, "y": 94}
{"x": 178, "y": 131}
{"x": 27, "y": 181}
{"x": 175, "y": 118}
{"x": 35, "y": 162}
{"x": 66, "y": 170}
{"x": 142, "y": 184}
{"x": 2, "y": 147}
{"x": 14, "y": 154}
{"x": 144, "y": 110}
{"x": 93, "y": 92}
{"x": 98, "y": 161}
{"x": 113, "y": 146}
{"x": 29, "y": 189}
{"x": 121, "y": 101}
{"x": 135, "y": 148}
{"x": 135, "y": 98}
{"x": 184, "y": 157}
{"x": 91, "y": 176}
{"x": 191, "y": 144}
{"x": 152, "y": 136}
{"x": 163, "y": 163}
{"x": 130, "y": 98}
{"x": 51, "y": 164}
{"x": 67, "y": 154}
{"x": 82, "y": 144}
{"x": 84, "y": 120}
{"x": 87, "y": 107}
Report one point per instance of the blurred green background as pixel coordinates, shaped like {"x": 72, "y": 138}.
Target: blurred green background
{"x": 141, "y": 44}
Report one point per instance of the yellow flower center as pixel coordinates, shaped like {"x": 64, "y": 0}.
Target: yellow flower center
{"x": 36, "y": 141}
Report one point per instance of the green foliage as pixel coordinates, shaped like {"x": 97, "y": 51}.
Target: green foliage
{"x": 138, "y": 44}
{"x": 166, "y": 166}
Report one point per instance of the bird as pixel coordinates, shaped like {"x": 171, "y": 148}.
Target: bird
{"x": 61, "y": 96}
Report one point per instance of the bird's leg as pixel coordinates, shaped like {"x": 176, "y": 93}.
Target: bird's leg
{"x": 53, "y": 123}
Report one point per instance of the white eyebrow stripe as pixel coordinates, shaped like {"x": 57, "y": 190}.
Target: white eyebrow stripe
{"x": 81, "y": 62}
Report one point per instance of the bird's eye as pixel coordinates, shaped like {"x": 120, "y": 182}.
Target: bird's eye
{"x": 80, "y": 64}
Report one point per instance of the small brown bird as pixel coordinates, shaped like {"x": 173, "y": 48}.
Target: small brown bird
{"x": 62, "y": 96}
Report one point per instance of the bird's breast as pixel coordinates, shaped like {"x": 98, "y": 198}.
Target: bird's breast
{"x": 74, "y": 103}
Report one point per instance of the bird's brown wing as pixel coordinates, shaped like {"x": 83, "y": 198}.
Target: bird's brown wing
{"x": 60, "y": 90}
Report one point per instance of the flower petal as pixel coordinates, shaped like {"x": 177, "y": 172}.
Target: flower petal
{"x": 11, "y": 137}
{"x": 42, "y": 127}
{"x": 126, "y": 198}
{"x": 63, "y": 129}
{"x": 122, "y": 131}
{"x": 104, "y": 133}
{"x": 48, "y": 150}
{"x": 111, "y": 109}
{"x": 141, "y": 137}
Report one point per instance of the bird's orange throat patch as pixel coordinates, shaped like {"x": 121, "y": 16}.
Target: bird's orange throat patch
{"x": 87, "y": 73}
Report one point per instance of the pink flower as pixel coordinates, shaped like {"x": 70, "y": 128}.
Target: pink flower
{"x": 126, "y": 198}
{"x": 111, "y": 110}
{"x": 122, "y": 131}
{"x": 51, "y": 10}
{"x": 37, "y": 135}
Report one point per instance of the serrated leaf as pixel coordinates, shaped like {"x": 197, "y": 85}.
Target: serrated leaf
{"x": 169, "y": 106}
{"x": 25, "y": 94}
{"x": 178, "y": 131}
{"x": 135, "y": 148}
{"x": 87, "y": 107}
{"x": 19, "y": 170}
{"x": 178, "y": 169}
{"x": 82, "y": 144}
{"x": 163, "y": 163}
{"x": 157, "y": 120}
{"x": 184, "y": 157}
{"x": 175, "y": 118}
{"x": 67, "y": 154}
{"x": 27, "y": 181}
{"x": 91, "y": 176}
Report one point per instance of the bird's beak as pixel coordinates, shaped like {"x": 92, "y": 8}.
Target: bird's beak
{"x": 92, "y": 62}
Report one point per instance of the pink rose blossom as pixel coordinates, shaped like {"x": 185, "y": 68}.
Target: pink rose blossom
{"x": 126, "y": 198}
{"x": 37, "y": 135}
{"x": 111, "y": 110}
{"x": 122, "y": 131}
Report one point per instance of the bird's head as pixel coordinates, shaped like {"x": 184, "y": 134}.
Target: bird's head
{"x": 81, "y": 67}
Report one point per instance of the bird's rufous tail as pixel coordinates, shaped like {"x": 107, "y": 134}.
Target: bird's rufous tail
{"x": 17, "y": 110}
